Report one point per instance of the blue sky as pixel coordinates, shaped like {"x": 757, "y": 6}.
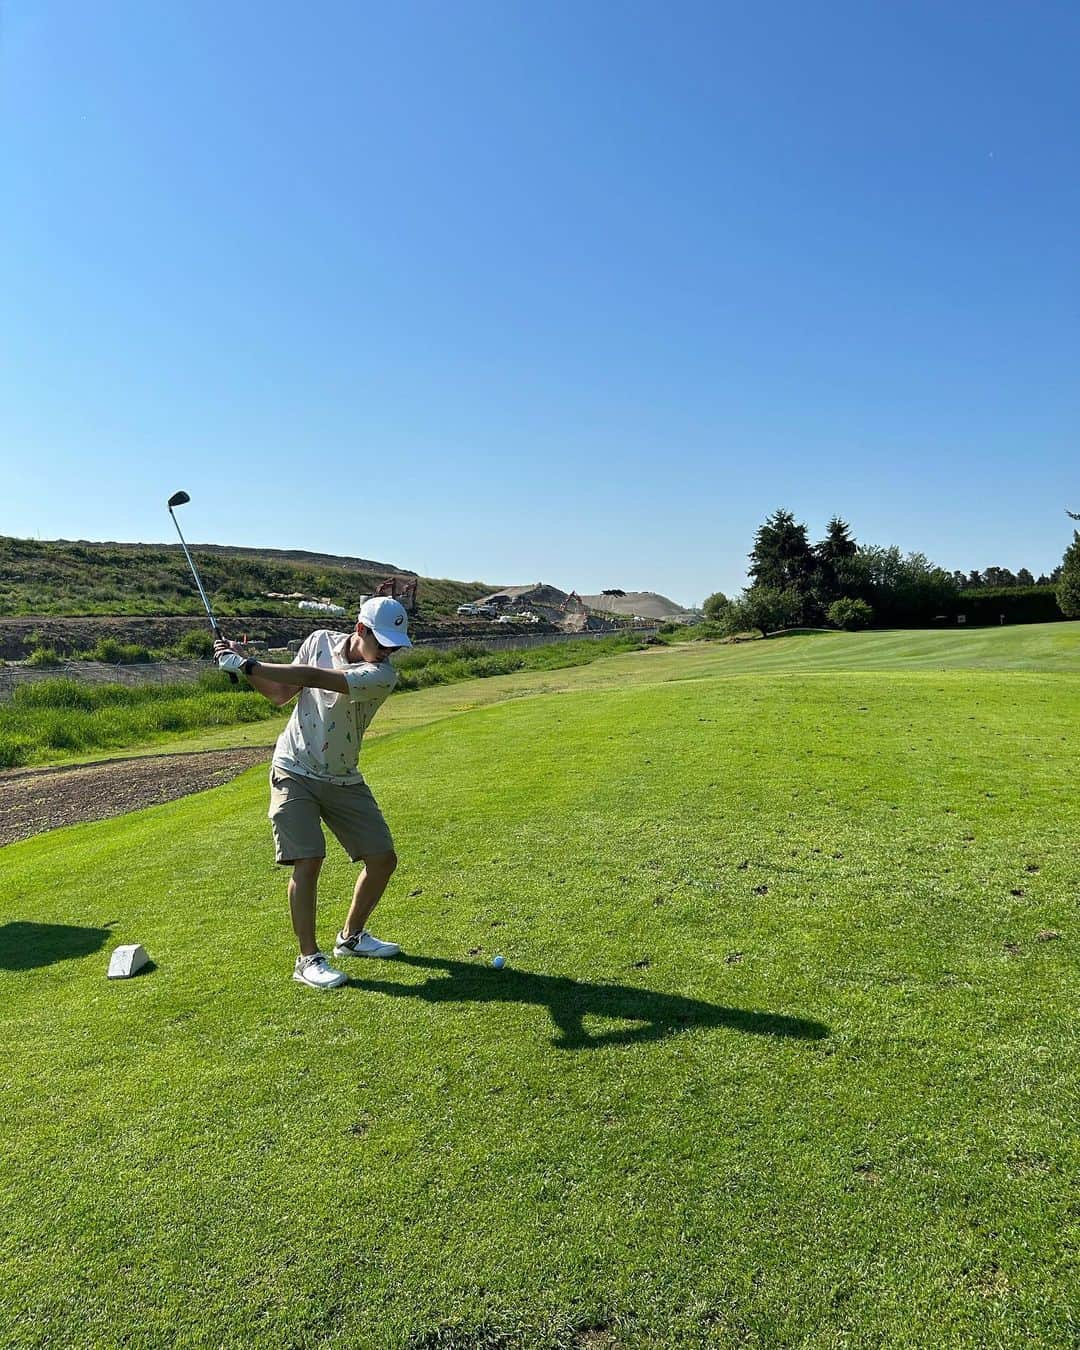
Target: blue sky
{"x": 574, "y": 291}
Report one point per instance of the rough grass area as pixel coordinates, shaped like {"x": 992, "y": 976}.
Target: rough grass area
{"x": 421, "y": 667}
{"x": 50, "y": 719}
{"x": 63, "y": 716}
{"x": 783, "y": 1054}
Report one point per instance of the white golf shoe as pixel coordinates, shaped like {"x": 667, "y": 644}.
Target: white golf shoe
{"x": 316, "y": 971}
{"x": 363, "y": 944}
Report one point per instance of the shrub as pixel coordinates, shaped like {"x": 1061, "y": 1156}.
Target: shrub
{"x": 850, "y": 614}
{"x": 65, "y": 694}
{"x": 63, "y": 731}
{"x": 715, "y": 606}
{"x": 114, "y": 653}
{"x": 197, "y": 643}
{"x": 762, "y": 607}
{"x": 44, "y": 656}
{"x": 414, "y": 658}
{"x": 672, "y": 634}
{"x": 14, "y": 750}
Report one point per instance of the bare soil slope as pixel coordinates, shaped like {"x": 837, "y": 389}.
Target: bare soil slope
{"x": 648, "y": 604}
{"x": 35, "y": 800}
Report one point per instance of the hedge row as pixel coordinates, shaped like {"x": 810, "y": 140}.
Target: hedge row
{"x": 1019, "y": 604}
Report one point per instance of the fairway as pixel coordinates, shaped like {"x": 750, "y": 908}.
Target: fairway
{"x": 783, "y": 1054}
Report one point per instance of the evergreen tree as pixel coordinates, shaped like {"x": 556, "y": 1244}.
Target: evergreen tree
{"x": 1068, "y": 586}
{"x": 831, "y": 555}
{"x": 838, "y": 542}
{"x": 1024, "y": 578}
{"x": 782, "y": 558}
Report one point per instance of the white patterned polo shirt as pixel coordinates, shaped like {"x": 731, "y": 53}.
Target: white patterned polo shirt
{"x": 322, "y": 737}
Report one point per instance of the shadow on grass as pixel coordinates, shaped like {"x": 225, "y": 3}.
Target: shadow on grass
{"x": 652, "y": 1016}
{"x": 25, "y": 946}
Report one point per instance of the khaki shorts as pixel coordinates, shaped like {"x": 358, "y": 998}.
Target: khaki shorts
{"x": 297, "y": 805}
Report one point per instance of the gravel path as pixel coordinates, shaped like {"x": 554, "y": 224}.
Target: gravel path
{"x": 35, "y": 800}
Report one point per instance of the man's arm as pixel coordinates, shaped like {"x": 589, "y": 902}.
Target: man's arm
{"x": 279, "y": 694}
{"x": 278, "y": 683}
{"x": 294, "y": 678}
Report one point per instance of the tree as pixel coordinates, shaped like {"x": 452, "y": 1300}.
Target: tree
{"x": 829, "y": 556}
{"x": 850, "y": 614}
{"x": 838, "y": 542}
{"x": 1024, "y": 578}
{"x": 900, "y": 589}
{"x": 764, "y": 607}
{"x": 715, "y": 606}
{"x": 782, "y": 558}
{"x": 1068, "y": 586}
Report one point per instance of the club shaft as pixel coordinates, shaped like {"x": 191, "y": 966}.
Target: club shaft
{"x": 195, "y": 573}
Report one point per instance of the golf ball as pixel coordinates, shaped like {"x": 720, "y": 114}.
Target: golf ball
{"x": 498, "y": 962}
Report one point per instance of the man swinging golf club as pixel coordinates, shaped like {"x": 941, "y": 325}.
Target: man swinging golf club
{"x": 342, "y": 679}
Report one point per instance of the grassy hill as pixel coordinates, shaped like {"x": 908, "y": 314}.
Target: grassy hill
{"x": 60, "y": 577}
{"x": 783, "y": 1054}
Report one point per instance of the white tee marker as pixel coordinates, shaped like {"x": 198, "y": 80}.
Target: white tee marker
{"x": 126, "y": 961}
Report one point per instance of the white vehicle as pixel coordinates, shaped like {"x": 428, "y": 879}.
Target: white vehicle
{"x": 466, "y": 609}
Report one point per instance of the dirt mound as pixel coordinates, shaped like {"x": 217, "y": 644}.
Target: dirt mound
{"x": 646, "y": 604}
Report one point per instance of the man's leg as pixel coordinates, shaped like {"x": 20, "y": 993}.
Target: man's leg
{"x": 370, "y": 884}
{"x": 303, "y": 891}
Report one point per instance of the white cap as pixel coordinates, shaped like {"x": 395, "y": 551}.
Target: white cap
{"x": 387, "y": 620}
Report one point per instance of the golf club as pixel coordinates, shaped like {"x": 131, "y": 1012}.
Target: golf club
{"x": 178, "y": 499}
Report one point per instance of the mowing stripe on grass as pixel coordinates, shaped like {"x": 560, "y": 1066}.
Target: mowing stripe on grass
{"x": 782, "y": 1054}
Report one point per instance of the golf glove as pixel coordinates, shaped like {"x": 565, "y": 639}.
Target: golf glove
{"x": 231, "y": 661}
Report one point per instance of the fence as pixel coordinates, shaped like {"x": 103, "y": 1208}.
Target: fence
{"x": 179, "y": 672}
{"x": 100, "y": 672}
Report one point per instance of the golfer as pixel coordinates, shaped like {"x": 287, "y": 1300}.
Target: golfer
{"x": 342, "y": 680}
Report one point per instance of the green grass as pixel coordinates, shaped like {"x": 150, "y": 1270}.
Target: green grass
{"x": 1036, "y": 647}
{"x": 64, "y": 720}
{"x": 778, "y": 1058}
{"x": 63, "y": 717}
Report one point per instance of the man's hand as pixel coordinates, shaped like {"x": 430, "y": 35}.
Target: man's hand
{"x": 270, "y": 680}
{"x": 228, "y": 655}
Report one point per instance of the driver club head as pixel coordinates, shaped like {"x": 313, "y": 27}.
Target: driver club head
{"x": 178, "y": 499}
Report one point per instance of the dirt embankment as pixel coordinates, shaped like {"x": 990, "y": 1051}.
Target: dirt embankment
{"x": 35, "y": 800}
{"x": 19, "y": 636}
